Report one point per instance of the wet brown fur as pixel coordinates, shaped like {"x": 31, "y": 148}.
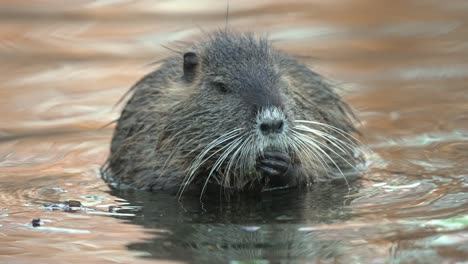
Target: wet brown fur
{"x": 168, "y": 121}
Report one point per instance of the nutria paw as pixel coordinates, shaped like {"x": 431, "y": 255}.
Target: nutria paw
{"x": 277, "y": 169}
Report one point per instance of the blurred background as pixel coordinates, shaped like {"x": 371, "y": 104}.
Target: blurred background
{"x": 401, "y": 64}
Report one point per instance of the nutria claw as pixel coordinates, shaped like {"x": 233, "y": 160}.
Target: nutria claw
{"x": 274, "y": 162}
{"x": 276, "y": 166}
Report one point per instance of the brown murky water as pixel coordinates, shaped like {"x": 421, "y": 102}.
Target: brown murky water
{"x": 402, "y": 64}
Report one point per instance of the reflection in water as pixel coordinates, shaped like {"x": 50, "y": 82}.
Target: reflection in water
{"x": 401, "y": 64}
{"x": 263, "y": 227}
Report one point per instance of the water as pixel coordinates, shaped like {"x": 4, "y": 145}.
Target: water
{"x": 401, "y": 64}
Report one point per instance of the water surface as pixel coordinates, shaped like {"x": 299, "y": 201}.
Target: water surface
{"x": 401, "y": 64}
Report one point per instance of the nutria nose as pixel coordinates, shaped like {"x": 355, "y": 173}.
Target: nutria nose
{"x": 271, "y": 126}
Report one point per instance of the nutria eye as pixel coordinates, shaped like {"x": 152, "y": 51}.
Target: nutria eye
{"x": 221, "y": 87}
{"x": 190, "y": 66}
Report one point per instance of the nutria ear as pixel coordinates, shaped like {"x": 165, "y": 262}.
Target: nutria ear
{"x": 190, "y": 65}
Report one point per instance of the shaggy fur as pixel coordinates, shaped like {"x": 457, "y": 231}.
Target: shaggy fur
{"x": 178, "y": 133}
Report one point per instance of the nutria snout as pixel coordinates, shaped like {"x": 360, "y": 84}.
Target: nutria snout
{"x": 234, "y": 112}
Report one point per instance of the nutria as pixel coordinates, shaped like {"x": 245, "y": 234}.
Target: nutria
{"x": 233, "y": 112}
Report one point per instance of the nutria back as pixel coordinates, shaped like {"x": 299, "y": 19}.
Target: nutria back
{"x": 235, "y": 113}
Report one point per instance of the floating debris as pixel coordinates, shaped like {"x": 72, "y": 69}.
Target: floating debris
{"x": 36, "y": 222}
{"x": 73, "y": 203}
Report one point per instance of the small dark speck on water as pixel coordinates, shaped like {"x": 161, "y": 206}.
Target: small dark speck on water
{"x": 36, "y": 222}
{"x": 73, "y": 203}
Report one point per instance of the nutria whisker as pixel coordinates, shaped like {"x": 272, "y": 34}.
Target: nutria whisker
{"x": 313, "y": 150}
{"x": 244, "y": 159}
{"x": 310, "y": 153}
{"x": 220, "y": 161}
{"x": 320, "y": 134}
{"x": 234, "y": 157}
{"x": 248, "y": 163}
{"x": 315, "y": 143}
{"x": 351, "y": 139}
{"x": 329, "y": 138}
{"x": 200, "y": 159}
